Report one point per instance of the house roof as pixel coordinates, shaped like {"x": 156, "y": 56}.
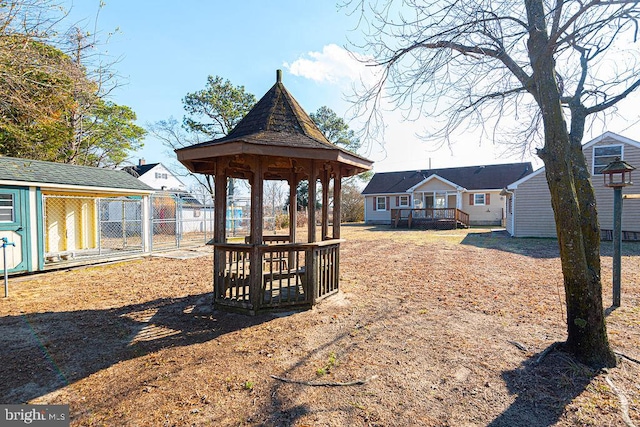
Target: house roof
{"x": 36, "y": 172}
{"x": 470, "y": 177}
{"x": 276, "y": 126}
{"x": 611, "y": 135}
{"x": 607, "y": 135}
{"x": 139, "y": 170}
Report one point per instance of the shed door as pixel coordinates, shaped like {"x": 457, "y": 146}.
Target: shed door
{"x": 13, "y": 226}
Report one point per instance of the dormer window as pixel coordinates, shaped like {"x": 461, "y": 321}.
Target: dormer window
{"x": 603, "y": 155}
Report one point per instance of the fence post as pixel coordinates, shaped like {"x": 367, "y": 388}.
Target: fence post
{"x": 5, "y": 243}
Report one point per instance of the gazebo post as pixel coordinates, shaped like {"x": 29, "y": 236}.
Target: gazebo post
{"x": 257, "y": 185}
{"x": 324, "y": 180}
{"x": 219, "y": 224}
{"x": 337, "y": 214}
{"x": 293, "y": 207}
{"x": 311, "y": 267}
{"x": 311, "y": 205}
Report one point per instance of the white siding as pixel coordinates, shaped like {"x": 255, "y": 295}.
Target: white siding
{"x": 373, "y": 216}
{"x": 532, "y": 202}
{"x": 434, "y": 185}
{"x": 487, "y": 214}
{"x": 532, "y": 208}
{"x": 604, "y": 195}
{"x": 161, "y": 178}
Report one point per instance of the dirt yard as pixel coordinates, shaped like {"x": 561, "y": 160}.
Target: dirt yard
{"x": 440, "y": 329}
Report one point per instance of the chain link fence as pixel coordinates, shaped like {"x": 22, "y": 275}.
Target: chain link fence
{"x": 77, "y": 227}
{"x": 179, "y": 220}
{"x": 121, "y": 225}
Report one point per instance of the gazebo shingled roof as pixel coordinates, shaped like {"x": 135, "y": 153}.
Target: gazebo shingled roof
{"x": 276, "y": 126}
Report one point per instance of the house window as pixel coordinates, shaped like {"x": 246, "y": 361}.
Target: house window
{"x": 161, "y": 175}
{"x": 6, "y": 208}
{"x": 381, "y": 203}
{"x": 479, "y": 199}
{"x": 604, "y": 155}
{"x": 403, "y": 201}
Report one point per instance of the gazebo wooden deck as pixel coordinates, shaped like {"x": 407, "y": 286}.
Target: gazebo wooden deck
{"x": 276, "y": 140}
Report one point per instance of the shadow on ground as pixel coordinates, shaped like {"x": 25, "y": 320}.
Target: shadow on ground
{"x": 502, "y": 241}
{"x": 543, "y": 390}
{"x": 42, "y": 352}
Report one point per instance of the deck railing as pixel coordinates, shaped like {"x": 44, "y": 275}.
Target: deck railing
{"x": 268, "y": 276}
{"x": 434, "y": 217}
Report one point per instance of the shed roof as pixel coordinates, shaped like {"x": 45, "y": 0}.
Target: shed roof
{"x": 484, "y": 177}
{"x": 38, "y": 172}
{"x": 276, "y": 126}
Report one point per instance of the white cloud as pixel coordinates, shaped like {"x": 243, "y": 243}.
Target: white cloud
{"x": 333, "y": 65}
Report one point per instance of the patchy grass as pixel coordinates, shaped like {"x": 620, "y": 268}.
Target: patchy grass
{"x": 450, "y": 322}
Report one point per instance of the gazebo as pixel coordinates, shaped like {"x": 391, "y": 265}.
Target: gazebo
{"x": 276, "y": 140}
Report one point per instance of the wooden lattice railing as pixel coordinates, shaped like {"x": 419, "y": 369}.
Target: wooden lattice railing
{"x": 254, "y": 277}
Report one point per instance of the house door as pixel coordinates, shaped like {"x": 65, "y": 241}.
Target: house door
{"x": 440, "y": 200}
{"x": 14, "y": 227}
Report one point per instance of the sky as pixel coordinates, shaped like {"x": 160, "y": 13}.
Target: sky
{"x": 166, "y": 49}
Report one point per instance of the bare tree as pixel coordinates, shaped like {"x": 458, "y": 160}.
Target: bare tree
{"x": 536, "y": 64}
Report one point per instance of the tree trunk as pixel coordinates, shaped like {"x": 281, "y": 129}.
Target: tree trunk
{"x": 573, "y": 205}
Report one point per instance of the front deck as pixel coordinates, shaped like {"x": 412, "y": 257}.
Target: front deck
{"x": 431, "y": 218}
{"x": 286, "y": 275}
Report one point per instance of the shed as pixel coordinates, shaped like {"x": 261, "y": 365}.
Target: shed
{"x": 276, "y": 140}
{"x": 59, "y": 213}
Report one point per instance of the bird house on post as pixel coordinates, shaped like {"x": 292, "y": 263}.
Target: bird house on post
{"x": 617, "y": 173}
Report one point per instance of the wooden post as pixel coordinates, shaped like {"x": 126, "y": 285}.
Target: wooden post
{"x": 311, "y": 225}
{"x": 293, "y": 206}
{"x": 293, "y": 215}
{"x": 337, "y": 213}
{"x": 255, "y": 266}
{"x": 311, "y": 206}
{"x": 617, "y": 244}
{"x": 324, "y": 180}
{"x": 219, "y": 226}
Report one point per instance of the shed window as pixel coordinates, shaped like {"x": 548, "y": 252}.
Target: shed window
{"x": 381, "y": 203}
{"x": 6, "y": 208}
{"x": 604, "y": 155}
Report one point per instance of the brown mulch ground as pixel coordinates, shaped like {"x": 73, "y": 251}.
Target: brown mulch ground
{"x": 446, "y": 326}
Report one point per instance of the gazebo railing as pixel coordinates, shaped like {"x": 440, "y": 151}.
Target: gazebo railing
{"x": 285, "y": 274}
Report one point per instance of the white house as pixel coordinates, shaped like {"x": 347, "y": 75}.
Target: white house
{"x": 174, "y": 208}
{"x": 157, "y": 176}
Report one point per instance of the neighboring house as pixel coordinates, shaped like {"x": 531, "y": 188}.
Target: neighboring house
{"x": 172, "y": 204}
{"x": 529, "y": 212}
{"x": 474, "y": 190}
{"x": 57, "y": 212}
{"x": 157, "y": 176}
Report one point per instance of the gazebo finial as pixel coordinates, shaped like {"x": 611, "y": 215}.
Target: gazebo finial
{"x": 278, "y": 76}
